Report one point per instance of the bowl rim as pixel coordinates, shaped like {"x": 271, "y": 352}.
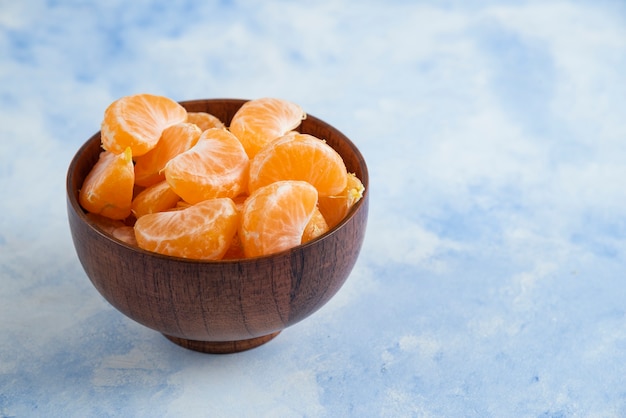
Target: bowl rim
{"x": 72, "y": 198}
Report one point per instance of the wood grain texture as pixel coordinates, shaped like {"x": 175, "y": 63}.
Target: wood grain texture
{"x": 219, "y": 306}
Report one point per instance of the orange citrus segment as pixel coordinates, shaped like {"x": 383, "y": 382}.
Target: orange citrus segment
{"x": 299, "y": 157}
{"x": 202, "y": 231}
{"x": 274, "y": 217}
{"x": 260, "y": 121}
{"x": 107, "y": 225}
{"x": 126, "y": 234}
{"x": 108, "y": 188}
{"x": 174, "y": 140}
{"x": 217, "y": 166}
{"x": 114, "y": 227}
{"x": 240, "y": 200}
{"x": 235, "y": 249}
{"x": 316, "y": 226}
{"x": 204, "y": 120}
{"x": 137, "y": 122}
{"x": 183, "y": 184}
{"x": 335, "y": 208}
{"x": 156, "y": 198}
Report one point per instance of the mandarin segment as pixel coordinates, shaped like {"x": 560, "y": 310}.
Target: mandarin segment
{"x": 316, "y": 227}
{"x": 204, "y": 120}
{"x": 202, "y": 191}
{"x": 217, "y": 166}
{"x": 335, "y": 208}
{"x": 125, "y": 234}
{"x": 137, "y": 121}
{"x": 156, "y": 198}
{"x": 108, "y": 188}
{"x": 235, "y": 249}
{"x": 202, "y": 231}
{"x": 299, "y": 157}
{"x": 260, "y": 121}
{"x": 107, "y": 225}
{"x": 274, "y": 217}
{"x": 240, "y": 200}
{"x": 174, "y": 140}
{"x": 114, "y": 227}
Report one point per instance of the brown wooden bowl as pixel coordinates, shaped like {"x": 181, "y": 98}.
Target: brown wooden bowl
{"x": 219, "y": 306}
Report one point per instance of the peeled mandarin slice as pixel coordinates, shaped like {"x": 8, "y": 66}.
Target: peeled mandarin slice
{"x": 156, "y": 198}
{"x": 240, "y": 200}
{"x": 137, "y": 122}
{"x": 202, "y": 231}
{"x": 126, "y": 234}
{"x": 108, "y": 188}
{"x": 107, "y": 225}
{"x": 181, "y": 204}
{"x": 204, "y": 120}
{"x": 335, "y": 208}
{"x": 260, "y": 121}
{"x": 114, "y": 227}
{"x": 299, "y": 157}
{"x": 174, "y": 140}
{"x": 217, "y": 166}
{"x": 316, "y": 226}
{"x": 235, "y": 249}
{"x": 274, "y": 217}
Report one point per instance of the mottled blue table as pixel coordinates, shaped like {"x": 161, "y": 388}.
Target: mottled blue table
{"x": 492, "y": 281}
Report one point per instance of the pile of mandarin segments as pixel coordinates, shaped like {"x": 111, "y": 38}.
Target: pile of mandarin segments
{"x": 183, "y": 184}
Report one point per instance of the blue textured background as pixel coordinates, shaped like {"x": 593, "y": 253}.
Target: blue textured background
{"x": 492, "y": 282}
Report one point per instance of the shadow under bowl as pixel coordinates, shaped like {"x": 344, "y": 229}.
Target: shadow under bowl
{"x": 219, "y": 306}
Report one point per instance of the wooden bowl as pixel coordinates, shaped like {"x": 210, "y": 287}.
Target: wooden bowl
{"x": 219, "y": 306}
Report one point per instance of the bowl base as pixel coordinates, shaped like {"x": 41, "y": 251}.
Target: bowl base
{"x": 222, "y": 347}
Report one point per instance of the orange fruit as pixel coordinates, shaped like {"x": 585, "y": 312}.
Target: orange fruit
{"x": 299, "y": 157}
{"x": 114, "y": 227}
{"x": 335, "y": 208}
{"x": 182, "y": 184}
{"x": 107, "y": 225}
{"x": 274, "y": 217}
{"x": 108, "y": 187}
{"x": 137, "y": 122}
{"x": 202, "y": 231}
{"x": 181, "y": 204}
{"x": 240, "y": 200}
{"x": 235, "y": 249}
{"x": 260, "y": 121}
{"x": 156, "y": 198}
{"x": 316, "y": 226}
{"x": 174, "y": 140}
{"x": 204, "y": 120}
{"x": 217, "y": 166}
{"x": 126, "y": 234}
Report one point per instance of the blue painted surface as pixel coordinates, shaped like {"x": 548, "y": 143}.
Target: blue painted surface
{"x": 492, "y": 281}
